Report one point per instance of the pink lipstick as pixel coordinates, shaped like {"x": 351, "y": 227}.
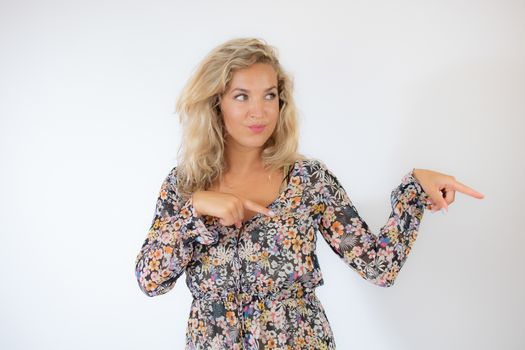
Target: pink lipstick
{"x": 257, "y": 128}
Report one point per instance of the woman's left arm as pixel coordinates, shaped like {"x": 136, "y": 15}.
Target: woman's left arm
{"x": 379, "y": 258}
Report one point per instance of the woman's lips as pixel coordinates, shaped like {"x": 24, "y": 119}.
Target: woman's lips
{"x": 257, "y": 128}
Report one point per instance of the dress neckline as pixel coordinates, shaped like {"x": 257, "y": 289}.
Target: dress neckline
{"x": 279, "y": 198}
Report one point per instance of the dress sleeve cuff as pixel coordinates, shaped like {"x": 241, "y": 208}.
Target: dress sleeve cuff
{"x": 410, "y": 180}
{"x": 195, "y": 226}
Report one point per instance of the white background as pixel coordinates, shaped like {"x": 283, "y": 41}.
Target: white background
{"x": 88, "y": 133}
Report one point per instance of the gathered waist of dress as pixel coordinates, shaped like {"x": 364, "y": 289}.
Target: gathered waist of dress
{"x": 295, "y": 291}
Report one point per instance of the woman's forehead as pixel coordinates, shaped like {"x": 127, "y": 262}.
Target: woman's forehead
{"x": 256, "y": 77}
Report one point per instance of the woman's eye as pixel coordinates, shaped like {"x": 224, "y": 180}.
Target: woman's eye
{"x": 271, "y": 94}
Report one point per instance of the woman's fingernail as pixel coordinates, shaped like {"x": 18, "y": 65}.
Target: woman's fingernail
{"x": 271, "y": 213}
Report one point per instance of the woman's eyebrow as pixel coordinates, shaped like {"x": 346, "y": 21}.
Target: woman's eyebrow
{"x": 246, "y": 90}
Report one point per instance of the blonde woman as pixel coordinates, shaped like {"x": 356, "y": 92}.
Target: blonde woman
{"x": 240, "y": 212}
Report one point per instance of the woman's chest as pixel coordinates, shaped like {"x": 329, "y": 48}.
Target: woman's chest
{"x": 266, "y": 252}
{"x": 263, "y": 190}
{"x": 263, "y": 245}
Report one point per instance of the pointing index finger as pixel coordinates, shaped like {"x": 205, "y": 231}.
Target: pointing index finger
{"x": 458, "y": 186}
{"x": 257, "y": 207}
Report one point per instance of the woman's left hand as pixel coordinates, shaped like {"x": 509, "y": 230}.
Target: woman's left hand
{"x": 441, "y": 188}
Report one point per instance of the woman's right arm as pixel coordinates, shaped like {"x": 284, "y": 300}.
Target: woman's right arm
{"x": 169, "y": 245}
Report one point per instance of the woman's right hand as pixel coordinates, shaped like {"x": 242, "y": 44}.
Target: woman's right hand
{"x": 229, "y": 208}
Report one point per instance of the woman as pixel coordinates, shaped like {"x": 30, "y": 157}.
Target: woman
{"x": 240, "y": 212}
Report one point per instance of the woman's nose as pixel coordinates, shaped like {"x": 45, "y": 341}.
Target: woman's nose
{"x": 256, "y": 108}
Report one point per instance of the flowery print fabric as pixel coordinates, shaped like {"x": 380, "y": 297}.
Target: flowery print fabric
{"x": 254, "y": 287}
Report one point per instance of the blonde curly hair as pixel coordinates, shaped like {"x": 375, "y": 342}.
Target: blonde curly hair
{"x": 200, "y": 158}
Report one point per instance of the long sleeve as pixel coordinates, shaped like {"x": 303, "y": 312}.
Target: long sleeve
{"x": 169, "y": 245}
{"x": 378, "y": 259}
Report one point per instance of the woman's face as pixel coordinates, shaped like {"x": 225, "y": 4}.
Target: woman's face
{"x": 251, "y": 99}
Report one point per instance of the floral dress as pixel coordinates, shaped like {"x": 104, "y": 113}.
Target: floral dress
{"x": 254, "y": 287}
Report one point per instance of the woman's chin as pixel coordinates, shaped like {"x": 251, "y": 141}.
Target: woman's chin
{"x": 252, "y": 141}
{"x": 255, "y": 142}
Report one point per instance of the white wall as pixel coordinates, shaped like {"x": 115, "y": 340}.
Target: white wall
{"x": 88, "y": 132}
